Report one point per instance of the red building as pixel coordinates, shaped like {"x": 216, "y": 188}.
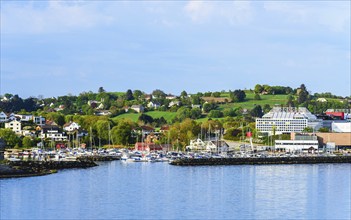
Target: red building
{"x": 340, "y": 115}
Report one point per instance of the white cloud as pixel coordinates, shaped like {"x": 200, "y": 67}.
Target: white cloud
{"x": 199, "y": 11}
{"x": 234, "y": 13}
{"x": 335, "y": 15}
{"x": 55, "y": 16}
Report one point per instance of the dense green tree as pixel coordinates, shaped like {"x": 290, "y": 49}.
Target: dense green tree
{"x": 146, "y": 119}
{"x": 101, "y": 89}
{"x": 183, "y": 94}
{"x": 215, "y": 114}
{"x": 207, "y": 107}
{"x": 208, "y": 94}
{"x": 258, "y": 89}
{"x": 27, "y": 142}
{"x": 216, "y": 94}
{"x": 137, "y": 94}
{"x": 10, "y": 137}
{"x": 180, "y": 134}
{"x": 183, "y": 113}
{"x": 267, "y": 89}
{"x": 122, "y": 133}
{"x": 238, "y": 95}
{"x": 290, "y": 101}
{"x": 229, "y": 112}
{"x": 257, "y": 111}
{"x": 102, "y": 128}
{"x": 195, "y": 113}
{"x": 302, "y": 94}
{"x": 159, "y": 94}
{"x": 129, "y": 95}
{"x": 195, "y": 99}
{"x": 266, "y": 108}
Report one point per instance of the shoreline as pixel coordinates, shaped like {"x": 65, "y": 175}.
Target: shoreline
{"x": 260, "y": 161}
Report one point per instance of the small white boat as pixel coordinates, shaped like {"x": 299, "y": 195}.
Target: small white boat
{"x": 13, "y": 159}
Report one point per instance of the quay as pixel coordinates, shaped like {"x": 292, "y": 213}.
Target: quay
{"x": 23, "y": 168}
{"x": 260, "y": 160}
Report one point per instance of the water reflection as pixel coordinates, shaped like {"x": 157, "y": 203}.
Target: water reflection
{"x": 160, "y": 191}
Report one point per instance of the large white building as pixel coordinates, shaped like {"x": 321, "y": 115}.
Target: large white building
{"x": 281, "y": 120}
{"x": 300, "y": 143}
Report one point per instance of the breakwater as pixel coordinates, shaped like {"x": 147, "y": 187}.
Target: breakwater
{"x": 36, "y": 168}
{"x": 260, "y": 160}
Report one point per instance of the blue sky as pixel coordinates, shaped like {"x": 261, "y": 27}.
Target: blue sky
{"x": 55, "y": 48}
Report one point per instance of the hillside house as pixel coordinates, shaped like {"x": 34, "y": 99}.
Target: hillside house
{"x": 3, "y": 117}
{"x": 71, "y": 126}
{"x": 15, "y": 126}
{"x": 137, "y": 108}
{"x": 174, "y": 103}
{"x": 39, "y": 120}
{"x": 153, "y": 104}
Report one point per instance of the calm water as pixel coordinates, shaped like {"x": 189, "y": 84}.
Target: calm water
{"x": 161, "y": 191}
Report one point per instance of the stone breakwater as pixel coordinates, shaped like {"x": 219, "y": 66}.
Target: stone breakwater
{"x": 260, "y": 161}
{"x": 37, "y": 168}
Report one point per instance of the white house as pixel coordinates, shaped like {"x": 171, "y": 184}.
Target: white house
{"x": 14, "y": 126}
{"x": 153, "y": 104}
{"x": 25, "y": 117}
{"x": 173, "y": 103}
{"x": 72, "y": 126}
{"x": 3, "y": 117}
{"x": 137, "y": 108}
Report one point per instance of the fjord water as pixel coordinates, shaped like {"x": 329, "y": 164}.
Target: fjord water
{"x": 162, "y": 191}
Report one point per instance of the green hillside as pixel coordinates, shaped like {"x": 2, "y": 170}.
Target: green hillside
{"x": 250, "y": 102}
{"x": 154, "y": 114}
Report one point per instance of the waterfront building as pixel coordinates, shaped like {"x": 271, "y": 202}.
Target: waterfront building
{"x": 52, "y": 132}
{"x": 341, "y": 140}
{"x": 284, "y": 120}
{"x": 298, "y": 143}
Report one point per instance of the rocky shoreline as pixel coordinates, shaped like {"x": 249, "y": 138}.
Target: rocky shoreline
{"x": 260, "y": 161}
{"x": 11, "y": 169}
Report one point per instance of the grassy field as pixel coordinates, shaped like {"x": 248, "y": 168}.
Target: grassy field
{"x": 250, "y": 102}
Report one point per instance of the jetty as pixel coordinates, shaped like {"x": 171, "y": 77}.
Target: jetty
{"x": 21, "y": 168}
{"x": 260, "y": 160}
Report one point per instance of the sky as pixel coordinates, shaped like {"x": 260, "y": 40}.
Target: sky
{"x": 55, "y": 48}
